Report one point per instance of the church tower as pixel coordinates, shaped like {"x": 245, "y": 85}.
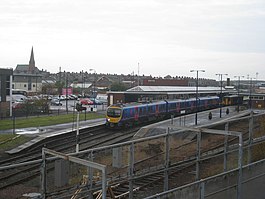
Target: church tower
{"x": 32, "y": 62}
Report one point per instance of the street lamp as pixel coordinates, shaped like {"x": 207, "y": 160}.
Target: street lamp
{"x": 197, "y": 84}
{"x": 221, "y": 94}
{"x": 238, "y": 85}
{"x": 250, "y": 92}
{"x": 94, "y": 86}
{"x": 66, "y": 91}
{"x": 83, "y": 93}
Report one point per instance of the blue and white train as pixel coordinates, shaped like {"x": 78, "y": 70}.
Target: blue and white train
{"x": 134, "y": 113}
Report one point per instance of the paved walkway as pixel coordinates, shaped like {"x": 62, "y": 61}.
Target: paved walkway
{"x": 189, "y": 121}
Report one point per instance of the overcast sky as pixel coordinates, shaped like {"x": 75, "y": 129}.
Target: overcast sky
{"x": 166, "y": 37}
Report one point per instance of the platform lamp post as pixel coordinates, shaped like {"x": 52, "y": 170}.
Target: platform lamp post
{"x": 197, "y": 85}
{"x": 238, "y": 85}
{"x": 66, "y": 91}
{"x": 221, "y": 92}
{"x": 250, "y": 92}
{"x": 94, "y": 86}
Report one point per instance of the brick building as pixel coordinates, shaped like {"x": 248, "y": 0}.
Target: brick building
{"x": 27, "y": 76}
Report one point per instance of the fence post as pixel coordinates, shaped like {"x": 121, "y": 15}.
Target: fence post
{"x": 131, "y": 170}
{"x": 240, "y": 158}
{"x": 14, "y": 123}
{"x": 198, "y": 155}
{"x": 250, "y": 137}
{"x": 166, "y": 161}
{"x": 226, "y": 146}
{"x": 43, "y": 174}
{"x": 90, "y": 175}
{"x": 202, "y": 190}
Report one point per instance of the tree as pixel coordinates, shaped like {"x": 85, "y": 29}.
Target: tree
{"x": 116, "y": 86}
{"x": 59, "y": 86}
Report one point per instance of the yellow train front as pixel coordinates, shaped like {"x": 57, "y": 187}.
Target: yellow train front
{"x": 114, "y": 115}
{"x": 134, "y": 113}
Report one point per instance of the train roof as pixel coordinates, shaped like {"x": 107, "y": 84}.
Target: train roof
{"x": 191, "y": 99}
{"x": 160, "y": 102}
{"x": 137, "y": 104}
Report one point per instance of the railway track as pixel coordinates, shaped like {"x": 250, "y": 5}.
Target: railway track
{"x": 27, "y": 165}
{"x": 117, "y": 189}
{"x": 155, "y": 177}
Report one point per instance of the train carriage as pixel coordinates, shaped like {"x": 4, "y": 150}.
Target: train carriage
{"x": 205, "y": 103}
{"x": 135, "y": 113}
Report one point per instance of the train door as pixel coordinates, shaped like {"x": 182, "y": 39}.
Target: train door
{"x": 178, "y": 107}
{"x": 206, "y": 104}
{"x": 157, "y": 110}
{"x": 136, "y": 114}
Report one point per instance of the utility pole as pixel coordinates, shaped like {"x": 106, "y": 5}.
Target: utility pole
{"x": 238, "y": 85}
{"x": 197, "y": 85}
{"x": 67, "y": 97}
{"x": 94, "y": 86}
{"x": 138, "y": 74}
{"x": 77, "y": 132}
{"x": 221, "y": 94}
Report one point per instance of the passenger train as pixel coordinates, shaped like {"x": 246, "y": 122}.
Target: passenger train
{"x": 129, "y": 114}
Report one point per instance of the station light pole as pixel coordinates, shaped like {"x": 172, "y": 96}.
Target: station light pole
{"x": 221, "y": 92}
{"x": 66, "y": 91}
{"x": 94, "y": 86}
{"x": 238, "y": 85}
{"x": 250, "y": 92}
{"x": 83, "y": 93}
{"x": 197, "y": 84}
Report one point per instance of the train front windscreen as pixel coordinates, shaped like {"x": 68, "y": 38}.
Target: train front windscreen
{"x": 114, "y": 112}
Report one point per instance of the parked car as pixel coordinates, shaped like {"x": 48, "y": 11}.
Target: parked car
{"x": 97, "y": 102}
{"x": 17, "y": 105}
{"x": 72, "y": 97}
{"x": 56, "y": 102}
{"x": 86, "y": 101}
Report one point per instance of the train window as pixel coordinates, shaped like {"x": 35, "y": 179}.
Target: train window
{"x": 150, "y": 109}
{"x": 126, "y": 114}
{"x": 140, "y": 110}
{"x": 114, "y": 112}
{"x": 144, "y": 110}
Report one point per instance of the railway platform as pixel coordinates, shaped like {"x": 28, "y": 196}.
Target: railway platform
{"x": 203, "y": 120}
{"x": 40, "y": 134}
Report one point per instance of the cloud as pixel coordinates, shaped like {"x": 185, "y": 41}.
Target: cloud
{"x": 117, "y": 34}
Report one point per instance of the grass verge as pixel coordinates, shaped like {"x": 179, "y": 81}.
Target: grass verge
{"x": 46, "y": 120}
{"x": 8, "y": 141}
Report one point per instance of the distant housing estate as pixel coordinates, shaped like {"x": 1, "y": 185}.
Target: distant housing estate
{"x": 28, "y": 77}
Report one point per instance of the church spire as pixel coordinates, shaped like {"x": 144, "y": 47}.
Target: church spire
{"x": 31, "y": 61}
